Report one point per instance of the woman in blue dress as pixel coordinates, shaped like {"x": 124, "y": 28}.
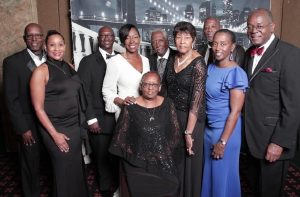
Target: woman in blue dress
{"x": 225, "y": 91}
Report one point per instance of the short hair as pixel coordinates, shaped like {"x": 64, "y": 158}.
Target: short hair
{"x": 212, "y": 18}
{"x": 51, "y": 33}
{"x": 124, "y": 32}
{"x": 263, "y": 10}
{"x": 228, "y": 32}
{"x": 184, "y": 26}
{"x": 160, "y": 30}
{"x": 149, "y": 73}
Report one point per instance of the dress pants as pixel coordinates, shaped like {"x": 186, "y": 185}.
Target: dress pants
{"x": 29, "y": 157}
{"x": 106, "y": 164}
{"x": 265, "y": 178}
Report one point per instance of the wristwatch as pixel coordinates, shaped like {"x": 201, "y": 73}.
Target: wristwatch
{"x": 223, "y": 142}
{"x": 186, "y": 132}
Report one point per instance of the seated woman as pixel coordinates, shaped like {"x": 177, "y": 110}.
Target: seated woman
{"x": 124, "y": 72}
{"x": 56, "y": 91}
{"x": 146, "y": 139}
{"x": 225, "y": 92}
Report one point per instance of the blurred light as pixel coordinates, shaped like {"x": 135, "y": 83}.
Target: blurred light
{"x": 154, "y": 3}
{"x": 169, "y": 2}
{"x": 81, "y": 13}
{"x": 117, "y": 16}
{"x": 103, "y": 14}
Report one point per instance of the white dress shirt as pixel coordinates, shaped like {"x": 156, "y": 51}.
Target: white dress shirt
{"x": 258, "y": 57}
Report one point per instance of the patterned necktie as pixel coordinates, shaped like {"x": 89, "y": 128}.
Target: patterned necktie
{"x": 257, "y": 51}
{"x": 161, "y": 67}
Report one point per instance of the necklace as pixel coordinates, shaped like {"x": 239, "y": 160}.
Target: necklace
{"x": 151, "y": 116}
{"x": 180, "y": 63}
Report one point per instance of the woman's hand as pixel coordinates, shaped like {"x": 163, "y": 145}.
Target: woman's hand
{"x": 129, "y": 100}
{"x": 218, "y": 151}
{"x": 60, "y": 140}
{"x": 189, "y": 144}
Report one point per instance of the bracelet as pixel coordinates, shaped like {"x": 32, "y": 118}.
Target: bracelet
{"x": 186, "y": 132}
{"x": 223, "y": 142}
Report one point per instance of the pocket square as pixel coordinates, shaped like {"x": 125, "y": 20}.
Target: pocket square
{"x": 267, "y": 70}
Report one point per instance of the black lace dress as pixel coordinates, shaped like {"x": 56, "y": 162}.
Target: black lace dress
{"x": 147, "y": 139}
{"x": 187, "y": 90}
{"x": 64, "y": 109}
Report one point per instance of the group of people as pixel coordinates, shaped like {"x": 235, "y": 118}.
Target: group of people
{"x": 170, "y": 125}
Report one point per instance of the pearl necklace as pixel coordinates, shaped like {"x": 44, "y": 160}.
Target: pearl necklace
{"x": 180, "y": 63}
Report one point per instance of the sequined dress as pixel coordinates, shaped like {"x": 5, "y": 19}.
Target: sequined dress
{"x": 187, "y": 90}
{"x": 147, "y": 139}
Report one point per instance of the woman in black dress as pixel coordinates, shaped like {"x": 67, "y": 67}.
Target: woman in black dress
{"x": 55, "y": 92}
{"x": 146, "y": 140}
{"x": 185, "y": 82}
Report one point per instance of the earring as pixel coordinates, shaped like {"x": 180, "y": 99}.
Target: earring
{"x": 231, "y": 56}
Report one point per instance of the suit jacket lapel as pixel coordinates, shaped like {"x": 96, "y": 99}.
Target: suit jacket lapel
{"x": 270, "y": 52}
{"x": 29, "y": 61}
{"x": 99, "y": 59}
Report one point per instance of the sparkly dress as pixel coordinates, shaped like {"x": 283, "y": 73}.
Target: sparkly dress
{"x": 146, "y": 139}
{"x": 187, "y": 90}
{"x": 221, "y": 177}
{"x": 63, "y": 107}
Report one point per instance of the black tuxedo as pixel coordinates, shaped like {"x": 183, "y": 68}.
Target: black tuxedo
{"x": 17, "y": 73}
{"x": 153, "y": 66}
{"x": 238, "y": 53}
{"x": 92, "y": 71}
{"x": 272, "y": 105}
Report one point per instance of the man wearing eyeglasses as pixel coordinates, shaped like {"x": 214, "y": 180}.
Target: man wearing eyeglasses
{"x": 101, "y": 124}
{"x": 272, "y": 104}
{"x": 17, "y": 72}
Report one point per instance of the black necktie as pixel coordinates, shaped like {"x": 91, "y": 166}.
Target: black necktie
{"x": 210, "y": 56}
{"x": 109, "y": 56}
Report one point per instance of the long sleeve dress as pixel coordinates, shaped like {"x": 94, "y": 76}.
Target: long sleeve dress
{"x": 187, "y": 90}
{"x": 147, "y": 140}
{"x": 121, "y": 80}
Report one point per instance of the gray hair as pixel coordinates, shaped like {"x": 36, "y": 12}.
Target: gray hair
{"x": 160, "y": 30}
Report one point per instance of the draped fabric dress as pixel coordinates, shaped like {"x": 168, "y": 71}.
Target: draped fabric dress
{"x": 147, "y": 140}
{"x": 187, "y": 90}
{"x": 221, "y": 177}
{"x": 63, "y": 105}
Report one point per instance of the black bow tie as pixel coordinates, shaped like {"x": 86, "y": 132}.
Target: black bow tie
{"x": 109, "y": 56}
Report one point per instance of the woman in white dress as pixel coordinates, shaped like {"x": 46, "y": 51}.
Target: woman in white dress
{"x": 124, "y": 72}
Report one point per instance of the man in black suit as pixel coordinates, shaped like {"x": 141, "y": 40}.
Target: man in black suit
{"x": 272, "y": 107}
{"x": 163, "y": 55}
{"x": 100, "y": 123}
{"x": 17, "y": 72}
{"x": 211, "y": 25}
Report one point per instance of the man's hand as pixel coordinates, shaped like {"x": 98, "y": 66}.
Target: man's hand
{"x": 94, "y": 128}
{"x": 274, "y": 152}
{"x": 28, "y": 138}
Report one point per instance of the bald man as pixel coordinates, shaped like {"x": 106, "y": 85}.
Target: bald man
{"x": 211, "y": 25}
{"x": 17, "y": 72}
{"x": 272, "y": 107}
{"x": 101, "y": 124}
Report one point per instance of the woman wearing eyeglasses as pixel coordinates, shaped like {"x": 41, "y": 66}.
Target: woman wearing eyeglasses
{"x": 124, "y": 72}
{"x": 146, "y": 139}
{"x": 185, "y": 82}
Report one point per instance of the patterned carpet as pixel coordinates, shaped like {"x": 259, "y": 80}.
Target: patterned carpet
{"x": 10, "y": 181}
